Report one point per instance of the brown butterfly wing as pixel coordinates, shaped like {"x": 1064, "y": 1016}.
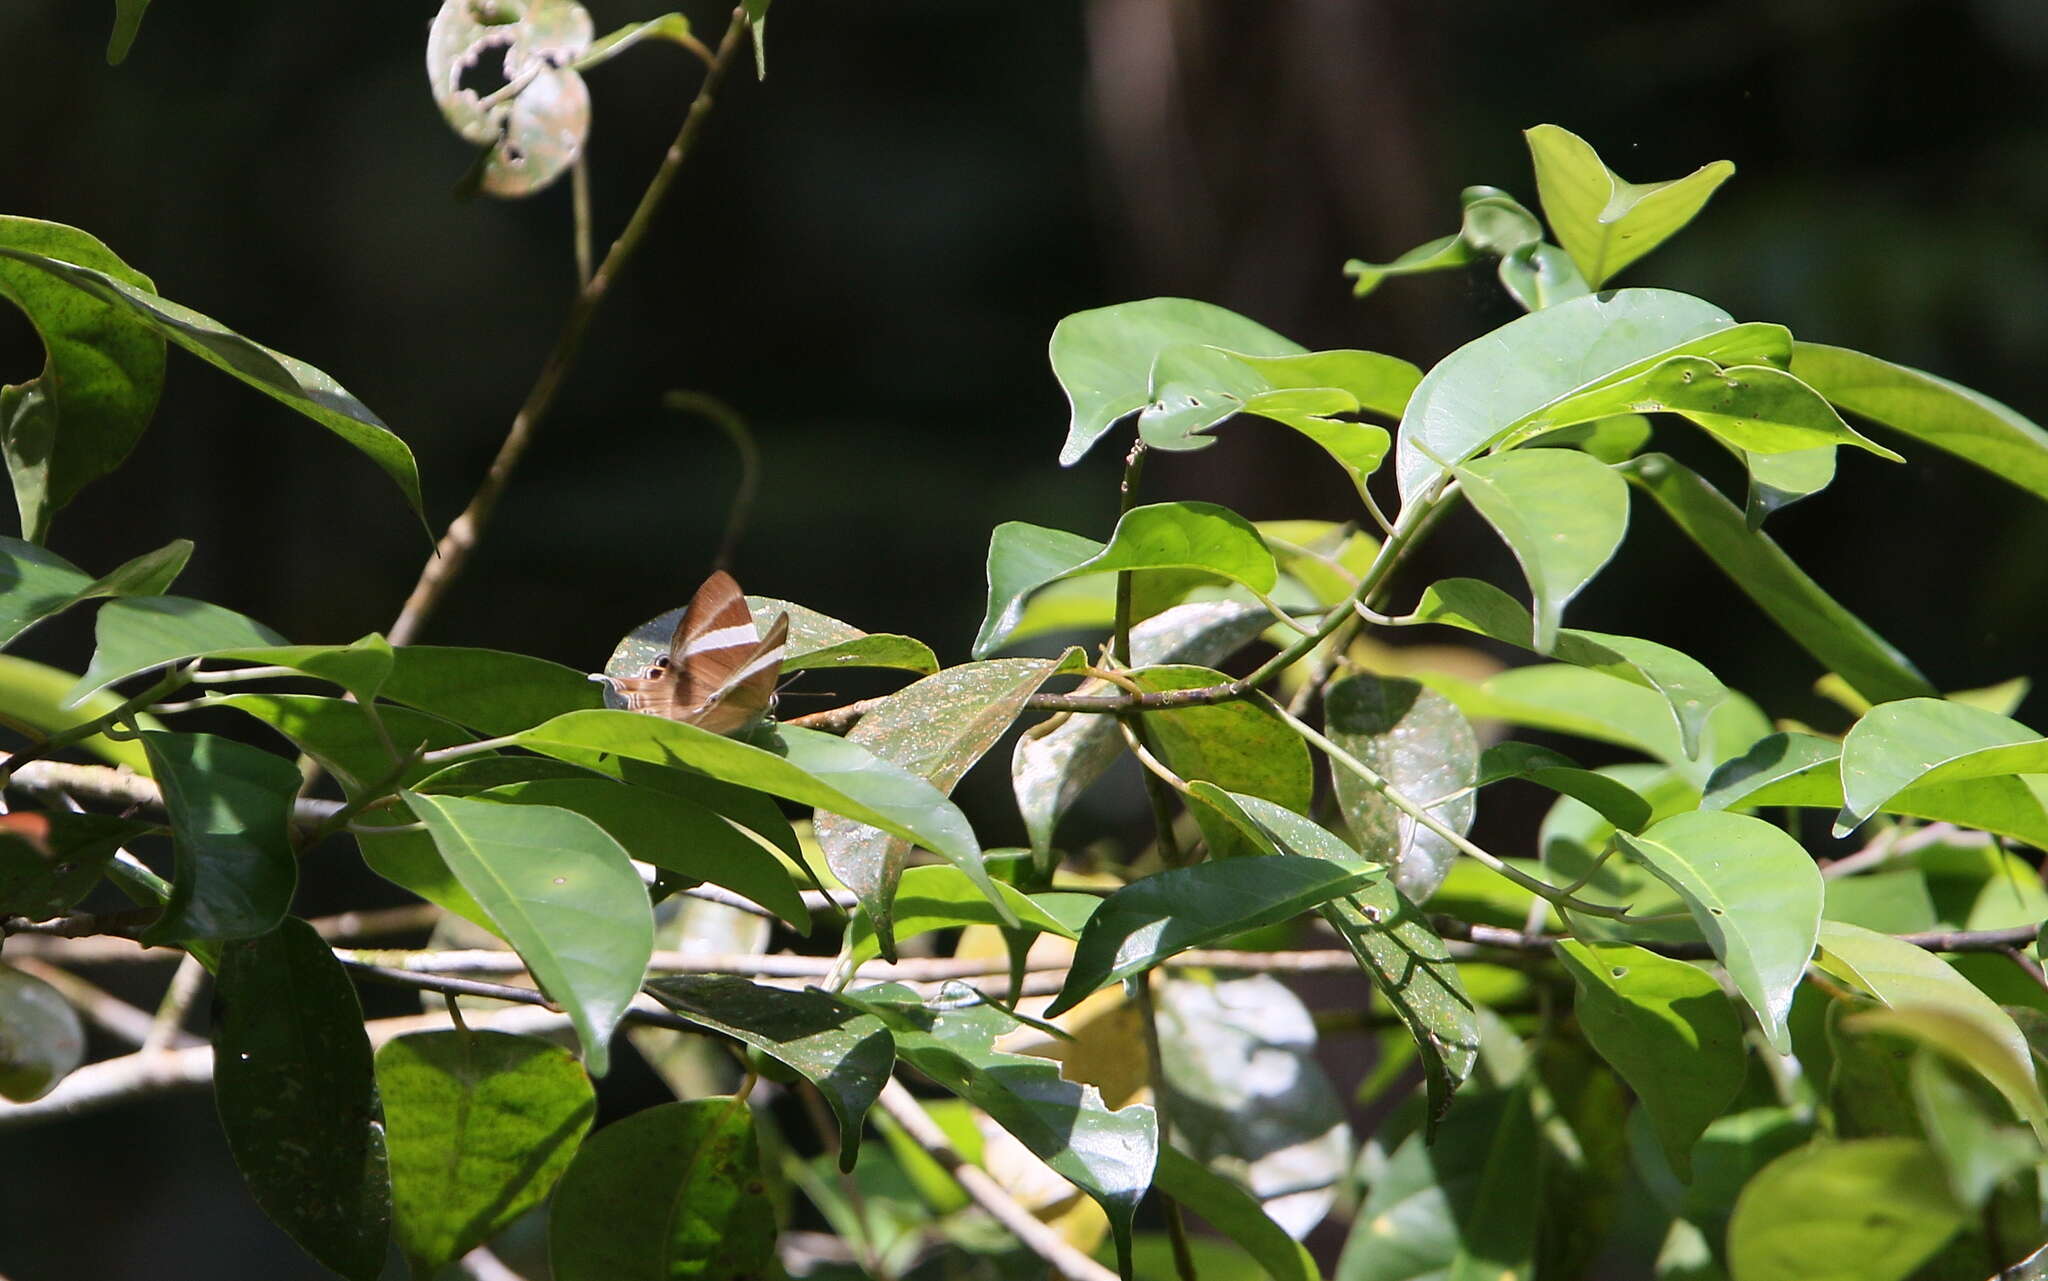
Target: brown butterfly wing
{"x": 712, "y": 641}
{"x": 749, "y": 691}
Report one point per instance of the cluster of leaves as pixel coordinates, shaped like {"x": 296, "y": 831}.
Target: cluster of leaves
{"x": 1811, "y": 1075}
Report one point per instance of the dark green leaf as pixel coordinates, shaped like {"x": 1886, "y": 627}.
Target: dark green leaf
{"x": 1977, "y": 1152}
{"x": 1104, "y": 358}
{"x": 98, "y": 389}
{"x": 1933, "y": 410}
{"x": 671, "y": 1192}
{"x": 1841, "y": 641}
{"x": 1412, "y": 968}
{"x": 139, "y": 633}
{"x": 1239, "y": 746}
{"x": 1865, "y": 1210}
{"x": 1602, "y": 221}
{"x": 562, "y": 892}
{"x": 50, "y": 860}
{"x": 1670, "y": 1032}
{"x": 230, "y": 808}
{"x": 342, "y": 736}
{"x": 1109, "y": 1155}
{"x": 488, "y": 689}
{"x": 1424, "y": 748}
{"x": 290, "y": 382}
{"x": 1755, "y": 894}
{"x": 41, "y": 583}
{"x": 479, "y": 1126}
{"x": 127, "y": 23}
{"x": 1150, "y": 920}
{"x": 846, "y": 1054}
{"x": 1236, "y": 1214}
{"x": 41, "y": 1039}
{"x": 1612, "y": 800}
{"x": 297, "y": 1094}
{"x": 1563, "y": 515}
{"x": 940, "y": 897}
{"x": 936, "y": 729}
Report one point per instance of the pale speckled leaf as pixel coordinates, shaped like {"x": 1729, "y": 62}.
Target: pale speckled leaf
{"x": 536, "y": 123}
{"x": 1422, "y": 745}
{"x": 1050, "y": 771}
{"x": 815, "y": 640}
{"x": 1239, "y": 746}
{"x": 936, "y": 728}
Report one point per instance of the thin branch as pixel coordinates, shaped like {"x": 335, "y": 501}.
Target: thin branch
{"x": 109, "y": 1012}
{"x": 835, "y": 720}
{"x": 727, "y": 420}
{"x": 169, "y": 1021}
{"x": 124, "y": 788}
{"x": 1041, "y": 1239}
{"x": 451, "y": 554}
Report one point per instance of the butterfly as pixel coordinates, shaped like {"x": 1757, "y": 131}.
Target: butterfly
{"x": 719, "y": 673}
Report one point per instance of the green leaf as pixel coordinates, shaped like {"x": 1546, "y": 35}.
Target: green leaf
{"x": 757, "y": 30}
{"x": 811, "y": 769}
{"x": 1903, "y": 976}
{"x": 935, "y": 729}
{"x": 1239, "y": 746}
{"x": 1932, "y": 410}
{"x": 50, "y": 860}
{"x": 479, "y": 1127}
{"x": 846, "y": 1054}
{"x": 1441, "y": 254}
{"x": 820, "y": 641}
{"x": 1612, "y": 800}
{"x": 1755, "y": 894}
{"x": 562, "y": 892}
{"x": 671, "y": 1192}
{"x": 1541, "y": 275}
{"x": 41, "y": 1039}
{"x": 230, "y": 808}
{"x": 1235, "y": 1213}
{"x": 1110, "y": 1155}
{"x": 1023, "y": 558}
{"x": 139, "y": 633}
{"x": 1563, "y": 515}
{"x": 127, "y": 23}
{"x": 488, "y": 689}
{"x": 103, "y": 372}
{"x": 1842, "y": 642}
{"x": 1865, "y": 1210}
{"x": 1667, "y": 1028}
{"x": 672, "y": 833}
{"x": 342, "y": 736}
{"x": 32, "y": 702}
{"x": 1692, "y": 690}
{"x": 1048, "y": 772}
{"x": 40, "y": 583}
{"x": 673, "y": 27}
{"x": 1150, "y": 920}
{"x": 297, "y": 1094}
{"x": 1464, "y": 1203}
{"x": 1420, "y": 744}
{"x": 290, "y": 382}
{"x": 1602, "y": 221}
{"x": 1380, "y": 384}
{"x": 1104, "y": 358}
{"x": 1977, "y": 1152}
{"x": 1925, "y": 741}
{"x": 940, "y": 897}
{"x": 1485, "y": 390}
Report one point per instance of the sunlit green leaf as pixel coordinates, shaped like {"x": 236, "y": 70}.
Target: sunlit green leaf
{"x": 1563, "y": 515}
{"x": 1425, "y": 749}
{"x": 846, "y": 1054}
{"x": 41, "y": 1039}
{"x": 1239, "y": 746}
{"x": 1842, "y": 642}
{"x": 41, "y": 583}
{"x": 1754, "y": 892}
{"x": 479, "y": 1127}
{"x": 1668, "y": 1029}
{"x": 1441, "y": 254}
{"x": 1150, "y": 920}
{"x": 1602, "y": 221}
{"x": 1541, "y": 275}
{"x": 1926, "y": 741}
{"x": 345, "y": 740}
{"x": 819, "y": 641}
{"x": 936, "y": 729}
{"x": 487, "y": 689}
{"x": 139, "y": 633}
{"x": 1865, "y": 1210}
{"x": 297, "y": 1094}
{"x": 1103, "y": 358}
{"x": 562, "y": 892}
{"x": 942, "y": 898}
{"x": 671, "y": 1192}
{"x": 669, "y": 26}
{"x": 230, "y": 808}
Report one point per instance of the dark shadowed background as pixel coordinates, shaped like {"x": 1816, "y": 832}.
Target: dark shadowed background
{"x": 866, "y": 258}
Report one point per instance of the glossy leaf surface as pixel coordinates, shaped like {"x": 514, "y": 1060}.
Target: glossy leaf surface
{"x": 1865, "y": 1210}
{"x": 671, "y": 1192}
{"x": 1927, "y": 741}
{"x": 1755, "y": 894}
{"x": 1666, "y": 1027}
{"x": 1603, "y": 222}
{"x": 1563, "y": 515}
{"x": 942, "y": 898}
{"x": 40, "y": 583}
{"x": 487, "y": 689}
{"x": 1148, "y": 921}
{"x": 41, "y": 1038}
{"x": 138, "y": 633}
{"x": 1424, "y": 748}
{"x": 563, "y": 894}
{"x": 297, "y": 1094}
{"x": 230, "y": 808}
{"x": 479, "y": 1126}
{"x": 846, "y": 1054}
{"x": 1612, "y": 800}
